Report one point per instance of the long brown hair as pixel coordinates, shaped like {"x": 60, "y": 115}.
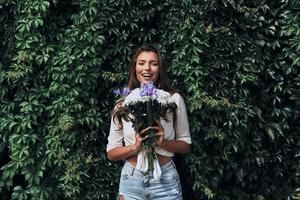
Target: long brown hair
{"x": 163, "y": 81}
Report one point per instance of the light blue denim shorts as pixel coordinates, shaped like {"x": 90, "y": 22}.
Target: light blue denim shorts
{"x": 136, "y": 185}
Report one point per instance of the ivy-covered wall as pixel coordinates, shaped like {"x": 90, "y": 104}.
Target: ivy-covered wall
{"x": 236, "y": 62}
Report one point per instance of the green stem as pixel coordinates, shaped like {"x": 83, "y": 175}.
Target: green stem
{"x": 149, "y": 114}
{"x": 150, "y": 133}
{"x": 151, "y": 155}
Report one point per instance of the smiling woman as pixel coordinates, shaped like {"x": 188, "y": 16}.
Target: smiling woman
{"x": 156, "y": 70}
{"x": 138, "y": 180}
{"x": 147, "y": 68}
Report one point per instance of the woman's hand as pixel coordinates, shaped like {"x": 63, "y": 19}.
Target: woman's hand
{"x": 159, "y": 140}
{"x": 138, "y": 145}
{"x": 159, "y": 137}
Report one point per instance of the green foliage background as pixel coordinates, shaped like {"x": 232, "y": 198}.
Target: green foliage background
{"x": 236, "y": 62}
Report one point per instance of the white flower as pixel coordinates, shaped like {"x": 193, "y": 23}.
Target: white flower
{"x": 161, "y": 96}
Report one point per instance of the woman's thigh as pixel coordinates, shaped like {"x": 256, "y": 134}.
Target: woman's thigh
{"x": 168, "y": 187}
{"x": 131, "y": 185}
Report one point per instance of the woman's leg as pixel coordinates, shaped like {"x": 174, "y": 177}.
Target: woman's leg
{"x": 168, "y": 187}
{"x": 131, "y": 184}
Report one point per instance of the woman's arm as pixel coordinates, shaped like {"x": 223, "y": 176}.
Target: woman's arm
{"x": 176, "y": 146}
{"x": 123, "y": 152}
{"x": 182, "y": 142}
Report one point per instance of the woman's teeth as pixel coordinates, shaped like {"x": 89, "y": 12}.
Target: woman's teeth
{"x": 147, "y": 75}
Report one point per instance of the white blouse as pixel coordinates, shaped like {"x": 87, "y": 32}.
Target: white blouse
{"x": 178, "y": 131}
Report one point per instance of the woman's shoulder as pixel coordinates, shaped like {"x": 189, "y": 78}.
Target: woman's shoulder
{"x": 177, "y": 98}
{"x": 176, "y": 95}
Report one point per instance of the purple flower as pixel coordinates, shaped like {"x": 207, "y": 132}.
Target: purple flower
{"x": 147, "y": 89}
{"x": 125, "y": 91}
{"x": 117, "y": 92}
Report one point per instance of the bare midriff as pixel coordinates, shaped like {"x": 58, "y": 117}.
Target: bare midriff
{"x": 161, "y": 159}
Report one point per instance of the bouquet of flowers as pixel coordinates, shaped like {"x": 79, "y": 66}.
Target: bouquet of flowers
{"x": 143, "y": 106}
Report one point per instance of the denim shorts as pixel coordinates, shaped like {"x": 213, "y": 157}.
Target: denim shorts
{"x": 136, "y": 185}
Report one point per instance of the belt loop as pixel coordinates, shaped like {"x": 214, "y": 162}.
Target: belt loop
{"x": 132, "y": 171}
{"x": 173, "y": 164}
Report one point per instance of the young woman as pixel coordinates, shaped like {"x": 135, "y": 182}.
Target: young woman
{"x": 173, "y": 136}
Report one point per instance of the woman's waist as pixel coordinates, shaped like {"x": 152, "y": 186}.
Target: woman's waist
{"x": 161, "y": 159}
{"x": 159, "y": 151}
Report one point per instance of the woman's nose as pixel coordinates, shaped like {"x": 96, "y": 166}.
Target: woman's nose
{"x": 147, "y": 66}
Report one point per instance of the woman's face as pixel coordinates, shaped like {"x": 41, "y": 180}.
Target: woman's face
{"x": 147, "y": 68}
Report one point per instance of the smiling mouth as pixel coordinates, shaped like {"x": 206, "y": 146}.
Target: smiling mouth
{"x": 147, "y": 75}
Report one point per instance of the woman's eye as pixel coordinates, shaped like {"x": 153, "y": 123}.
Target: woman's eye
{"x": 155, "y": 64}
{"x": 140, "y": 63}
